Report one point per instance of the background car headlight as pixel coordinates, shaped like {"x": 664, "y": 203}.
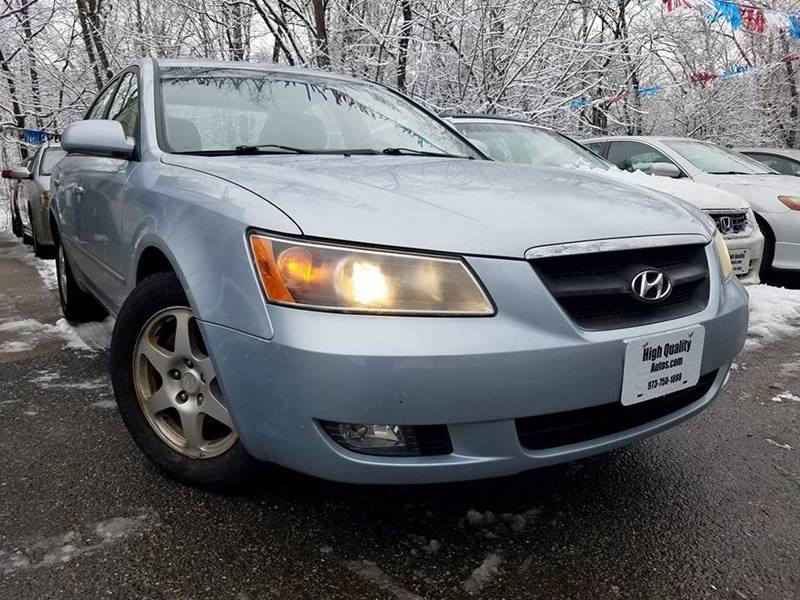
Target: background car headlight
{"x": 329, "y": 277}
{"x": 725, "y": 265}
{"x": 792, "y": 202}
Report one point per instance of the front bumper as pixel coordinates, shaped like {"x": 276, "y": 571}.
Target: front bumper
{"x": 475, "y": 375}
{"x": 786, "y": 229}
{"x": 755, "y": 244}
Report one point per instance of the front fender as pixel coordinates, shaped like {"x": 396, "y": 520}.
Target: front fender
{"x": 200, "y": 222}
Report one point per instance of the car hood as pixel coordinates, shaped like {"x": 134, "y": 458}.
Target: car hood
{"x": 450, "y": 205}
{"x": 761, "y": 191}
{"x": 706, "y": 197}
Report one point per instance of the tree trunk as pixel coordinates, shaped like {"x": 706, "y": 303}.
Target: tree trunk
{"x": 402, "y": 51}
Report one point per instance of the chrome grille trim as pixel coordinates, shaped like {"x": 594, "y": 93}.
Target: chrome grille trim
{"x": 614, "y": 245}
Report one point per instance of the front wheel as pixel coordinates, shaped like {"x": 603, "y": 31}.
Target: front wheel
{"x": 167, "y": 390}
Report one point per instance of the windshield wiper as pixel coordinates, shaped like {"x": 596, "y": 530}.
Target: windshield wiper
{"x": 734, "y": 173}
{"x": 413, "y": 152}
{"x": 276, "y": 149}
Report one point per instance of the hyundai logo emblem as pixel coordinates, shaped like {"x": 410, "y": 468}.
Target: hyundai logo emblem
{"x": 651, "y": 286}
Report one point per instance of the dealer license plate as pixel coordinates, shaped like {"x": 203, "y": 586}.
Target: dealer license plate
{"x": 740, "y": 259}
{"x": 657, "y": 365}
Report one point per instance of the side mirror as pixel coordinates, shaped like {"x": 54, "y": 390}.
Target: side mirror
{"x": 662, "y": 169}
{"x": 17, "y": 173}
{"x": 97, "y": 137}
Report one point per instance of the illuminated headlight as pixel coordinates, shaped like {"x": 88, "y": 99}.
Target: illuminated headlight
{"x": 792, "y": 202}
{"x": 725, "y": 265}
{"x": 339, "y": 278}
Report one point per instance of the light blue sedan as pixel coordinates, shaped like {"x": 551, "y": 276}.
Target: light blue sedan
{"x": 313, "y": 270}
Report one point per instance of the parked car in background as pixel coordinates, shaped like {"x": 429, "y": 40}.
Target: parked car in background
{"x": 30, "y": 198}
{"x": 512, "y": 140}
{"x": 775, "y": 198}
{"x": 785, "y": 161}
{"x": 313, "y": 270}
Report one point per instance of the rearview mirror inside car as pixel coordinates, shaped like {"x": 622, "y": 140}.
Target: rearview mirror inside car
{"x": 97, "y": 137}
{"x": 663, "y": 169}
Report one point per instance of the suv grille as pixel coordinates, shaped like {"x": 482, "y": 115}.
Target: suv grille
{"x": 596, "y": 289}
{"x": 730, "y": 223}
{"x": 575, "y": 426}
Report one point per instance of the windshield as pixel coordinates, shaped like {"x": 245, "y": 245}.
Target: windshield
{"x": 221, "y": 109}
{"x": 529, "y": 145}
{"x": 716, "y": 160}
{"x": 49, "y": 159}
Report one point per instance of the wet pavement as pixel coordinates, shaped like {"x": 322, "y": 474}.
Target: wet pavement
{"x": 710, "y": 509}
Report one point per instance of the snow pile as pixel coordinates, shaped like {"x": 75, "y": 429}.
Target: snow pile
{"x": 698, "y": 194}
{"x": 29, "y": 332}
{"x": 774, "y": 313}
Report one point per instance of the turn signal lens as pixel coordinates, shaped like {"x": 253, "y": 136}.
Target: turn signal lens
{"x": 339, "y": 278}
{"x": 725, "y": 265}
{"x": 45, "y": 200}
{"x": 792, "y": 202}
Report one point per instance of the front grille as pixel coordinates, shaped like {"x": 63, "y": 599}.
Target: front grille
{"x": 596, "y": 290}
{"x": 574, "y": 426}
{"x": 731, "y": 223}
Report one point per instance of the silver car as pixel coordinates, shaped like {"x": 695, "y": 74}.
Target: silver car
{"x": 31, "y": 198}
{"x": 313, "y": 270}
{"x": 785, "y": 161}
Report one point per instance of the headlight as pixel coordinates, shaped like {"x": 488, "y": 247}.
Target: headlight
{"x": 338, "y": 278}
{"x": 725, "y": 266}
{"x": 792, "y": 202}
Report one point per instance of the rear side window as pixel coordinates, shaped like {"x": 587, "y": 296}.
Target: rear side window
{"x": 125, "y": 107}
{"x": 635, "y": 156}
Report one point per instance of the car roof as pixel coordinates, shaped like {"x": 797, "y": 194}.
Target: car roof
{"x": 198, "y": 63}
{"x": 639, "y": 138}
{"x": 484, "y": 117}
{"x": 784, "y": 151}
{"x": 478, "y": 118}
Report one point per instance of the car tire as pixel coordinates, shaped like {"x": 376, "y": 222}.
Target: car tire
{"x": 16, "y": 223}
{"x": 39, "y": 251}
{"x": 160, "y": 371}
{"x": 768, "y": 255}
{"x": 76, "y": 305}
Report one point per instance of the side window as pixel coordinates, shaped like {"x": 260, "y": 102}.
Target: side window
{"x": 635, "y": 156}
{"x": 125, "y": 107}
{"x": 600, "y": 148}
{"x": 98, "y": 110}
{"x": 782, "y": 165}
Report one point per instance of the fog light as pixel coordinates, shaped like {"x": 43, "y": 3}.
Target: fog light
{"x": 386, "y": 440}
{"x": 390, "y": 440}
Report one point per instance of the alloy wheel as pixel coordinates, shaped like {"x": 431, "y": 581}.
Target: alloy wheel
{"x": 177, "y": 388}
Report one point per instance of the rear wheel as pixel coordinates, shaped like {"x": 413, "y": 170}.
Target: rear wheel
{"x": 77, "y": 305}
{"x": 167, "y": 390}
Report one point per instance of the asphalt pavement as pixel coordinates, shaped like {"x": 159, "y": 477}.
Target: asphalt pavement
{"x": 710, "y": 509}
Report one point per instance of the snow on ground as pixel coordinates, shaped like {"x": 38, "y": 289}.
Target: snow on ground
{"x": 88, "y": 337}
{"x": 774, "y": 313}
